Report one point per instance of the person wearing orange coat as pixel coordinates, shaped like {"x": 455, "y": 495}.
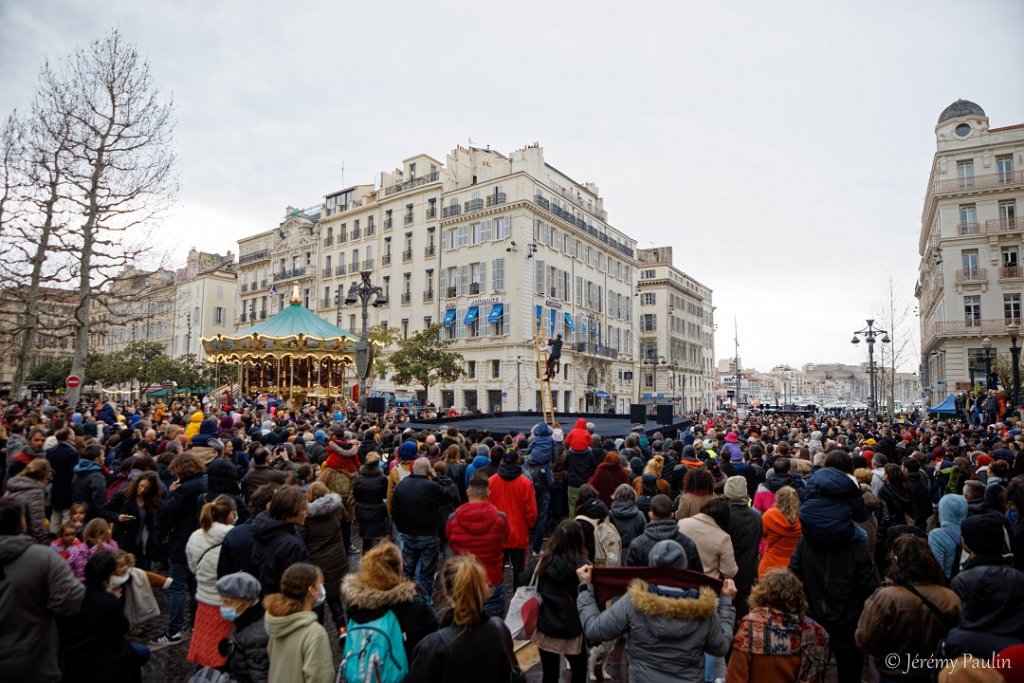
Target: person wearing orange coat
{"x": 781, "y": 530}
{"x": 512, "y": 493}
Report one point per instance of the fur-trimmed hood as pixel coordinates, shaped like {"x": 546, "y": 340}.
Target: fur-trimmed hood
{"x": 671, "y": 603}
{"x": 360, "y": 596}
{"x": 325, "y": 505}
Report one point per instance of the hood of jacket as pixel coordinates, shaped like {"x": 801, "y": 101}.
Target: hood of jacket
{"x": 774, "y": 482}
{"x": 197, "y": 417}
{"x": 13, "y": 546}
{"x": 23, "y": 484}
{"x": 543, "y": 430}
{"x": 593, "y": 508}
{"x": 325, "y": 505}
{"x": 581, "y": 423}
{"x": 662, "y": 530}
{"x": 480, "y": 461}
{"x": 477, "y": 517}
{"x": 672, "y": 603}
{"x": 996, "y": 596}
{"x": 86, "y": 466}
{"x": 279, "y": 627}
{"x": 832, "y": 483}
{"x": 509, "y": 472}
{"x": 779, "y": 525}
{"x": 264, "y": 527}
{"x": 360, "y": 596}
{"x": 371, "y": 470}
{"x": 952, "y": 510}
{"x": 623, "y": 508}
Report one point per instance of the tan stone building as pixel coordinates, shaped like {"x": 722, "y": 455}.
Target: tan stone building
{"x": 54, "y": 340}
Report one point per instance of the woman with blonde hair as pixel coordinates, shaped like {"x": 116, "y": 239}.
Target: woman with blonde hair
{"x": 777, "y": 639}
{"x": 781, "y": 530}
{"x": 470, "y": 646}
{"x": 654, "y": 466}
{"x": 31, "y": 488}
{"x": 379, "y": 587}
{"x": 203, "y": 553}
{"x": 298, "y": 648}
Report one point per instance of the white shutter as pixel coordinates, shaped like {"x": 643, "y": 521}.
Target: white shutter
{"x": 483, "y": 277}
{"x": 443, "y": 279}
{"x": 498, "y": 275}
{"x": 446, "y": 240}
{"x": 485, "y": 231}
{"x": 538, "y": 277}
{"x": 463, "y": 280}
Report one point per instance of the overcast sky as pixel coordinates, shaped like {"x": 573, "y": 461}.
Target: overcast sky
{"x": 782, "y": 148}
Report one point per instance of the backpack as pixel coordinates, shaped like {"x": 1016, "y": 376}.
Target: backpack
{"x": 374, "y": 651}
{"x": 607, "y": 542}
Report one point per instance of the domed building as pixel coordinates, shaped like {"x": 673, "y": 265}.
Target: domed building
{"x": 971, "y": 279}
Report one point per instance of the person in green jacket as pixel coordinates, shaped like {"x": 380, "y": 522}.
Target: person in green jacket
{"x": 298, "y": 647}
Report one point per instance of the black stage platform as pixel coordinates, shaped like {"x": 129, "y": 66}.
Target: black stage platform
{"x": 608, "y": 426}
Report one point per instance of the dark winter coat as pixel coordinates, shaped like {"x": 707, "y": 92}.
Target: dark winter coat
{"x": 236, "y": 549}
{"x": 836, "y": 582}
{"x": 455, "y": 654}
{"x": 557, "y": 586}
{"x": 993, "y": 613}
{"x": 179, "y": 515}
{"x": 276, "y": 546}
{"x": 405, "y": 600}
{"x": 579, "y": 467}
{"x": 921, "y": 495}
{"x": 595, "y": 510}
{"x": 897, "y": 508}
{"x": 627, "y": 519}
{"x": 745, "y": 530}
{"x": 127, "y": 534}
{"x": 322, "y": 535}
{"x": 832, "y": 503}
{"x": 95, "y": 650}
{"x": 370, "y": 490}
{"x": 416, "y": 504}
{"x": 247, "y": 647}
{"x": 90, "y": 487}
{"x": 222, "y": 477}
{"x": 63, "y": 457}
{"x": 661, "y": 530}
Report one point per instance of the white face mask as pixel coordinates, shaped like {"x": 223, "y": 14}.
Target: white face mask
{"x": 117, "y": 581}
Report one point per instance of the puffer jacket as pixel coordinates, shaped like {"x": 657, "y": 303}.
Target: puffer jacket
{"x": 667, "y": 630}
{"x": 579, "y": 438}
{"x": 993, "y": 608}
{"x": 203, "y": 554}
{"x": 512, "y": 494}
{"x": 34, "y": 496}
{"x": 247, "y": 647}
{"x": 481, "y": 530}
{"x": 468, "y": 654}
{"x": 194, "y": 423}
{"x": 629, "y": 521}
{"x": 557, "y": 586}
{"x": 364, "y": 603}
{"x": 542, "y": 448}
{"x": 90, "y": 487}
{"x": 832, "y": 503}
{"x": 661, "y": 530}
{"x": 944, "y": 540}
{"x": 322, "y": 535}
{"x": 370, "y": 491}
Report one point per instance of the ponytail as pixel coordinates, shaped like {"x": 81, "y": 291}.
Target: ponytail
{"x": 465, "y": 582}
{"x": 217, "y": 511}
{"x": 293, "y": 590}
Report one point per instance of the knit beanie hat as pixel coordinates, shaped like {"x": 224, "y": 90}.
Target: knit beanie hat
{"x": 983, "y": 534}
{"x": 668, "y": 553}
{"x": 407, "y": 451}
{"x": 736, "y": 488}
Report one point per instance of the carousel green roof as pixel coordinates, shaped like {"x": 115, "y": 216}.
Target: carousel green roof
{"x": 294, "y": 320}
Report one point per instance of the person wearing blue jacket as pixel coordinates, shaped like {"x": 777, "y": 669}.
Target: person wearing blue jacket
{"x": 832, "y": 502}
{"x": 481, "y": 460}
{"x": 540, "y": 455}
{"x": 946, "y": 541}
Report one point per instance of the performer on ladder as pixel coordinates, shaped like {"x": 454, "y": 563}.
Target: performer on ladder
{"x": 554, "y": 350}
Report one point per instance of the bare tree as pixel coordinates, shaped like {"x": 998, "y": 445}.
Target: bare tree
{"x": 122, "y": 169}
{"x": 894, "y": 314}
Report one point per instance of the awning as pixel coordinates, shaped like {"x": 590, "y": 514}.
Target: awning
{"x": 554, "y": 316}
{"x": 472, "y": 314}
{"x": 496, "y": 312}
{"x": 583, "y": 326}
{"x": 449, "y": 317}
{"x": 601, "y": 393}
{"x": 569, "y": 322}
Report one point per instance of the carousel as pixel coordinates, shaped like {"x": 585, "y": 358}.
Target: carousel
{"x": 294, "y": 354}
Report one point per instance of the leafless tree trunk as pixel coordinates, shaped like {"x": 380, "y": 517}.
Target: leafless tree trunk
{"x": 894, "y": 316}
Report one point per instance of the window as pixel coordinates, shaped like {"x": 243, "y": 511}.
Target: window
{"x": 969, "y": 261}
{"x": 968, "y": 220}
{"x": 220, "y": 292}
{"x": 647, "y": 274}
{"x": 648, "y": 322}
{"x": 405, "y": 328}
{"x": 1007, "y": 214}
{"x": 648, "y": 299}
{"x": 406, "y": 286}
{"x": 972, "y": 311}
{"x": 1011, "y": 308}
{"x": 471, "y": 369}
{"x": 219, "y": 318}
{"x": 498, "y": 275}
{"x": 502, "y": 228}
{"x": 426, "y": 321}
{"x": 1004, "y": 168}
{"x": 495, "y": 369}
{"x": 965, "y": 173}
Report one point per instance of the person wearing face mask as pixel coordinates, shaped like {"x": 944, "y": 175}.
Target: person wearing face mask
{"x": 246, "y": 647}
{"x": 203, "y": 553}
{"x": 298, "y": 646}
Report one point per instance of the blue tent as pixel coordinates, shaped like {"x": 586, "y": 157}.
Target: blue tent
{"x": 947, "y": 407}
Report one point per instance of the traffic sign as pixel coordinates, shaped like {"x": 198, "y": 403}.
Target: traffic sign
{"x": 73, "y": 382}
{"x": 167, "y": 384}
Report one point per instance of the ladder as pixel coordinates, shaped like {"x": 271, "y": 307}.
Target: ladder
{"x": 546, "y": 404}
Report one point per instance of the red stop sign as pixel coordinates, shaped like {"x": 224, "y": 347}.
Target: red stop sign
{"x": 73, "y": 382}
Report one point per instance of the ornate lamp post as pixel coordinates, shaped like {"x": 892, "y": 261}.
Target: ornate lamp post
{"x": 990, "y": 382}
{"x": 1013, "y": 329}
{"x": 363, "y": 292}
{"x": 655, "y": 360}
{"x": 870, "y": 334}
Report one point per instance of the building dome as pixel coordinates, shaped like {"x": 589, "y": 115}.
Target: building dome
{"x": 960, "y": 108}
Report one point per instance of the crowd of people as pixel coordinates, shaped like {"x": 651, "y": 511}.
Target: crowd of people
{"x": 811, "y": 541}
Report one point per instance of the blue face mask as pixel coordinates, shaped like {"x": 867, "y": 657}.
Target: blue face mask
{"x": 228, "y": 613}
{"x": 321, "y": 596}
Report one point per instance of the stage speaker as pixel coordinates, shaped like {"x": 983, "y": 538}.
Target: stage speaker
{"x": 664, "y": 414}
{"x": 376, "y": 404}
{"x": 638, "y": 413}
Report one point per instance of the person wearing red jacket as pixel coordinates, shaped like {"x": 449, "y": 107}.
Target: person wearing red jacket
{"x": 512, "y": 494}
{"x": 578, "y": 438}
{"x": 479, "y": 529}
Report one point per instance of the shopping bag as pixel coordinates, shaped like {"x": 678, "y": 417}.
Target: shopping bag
{"x": 523, "y": 610}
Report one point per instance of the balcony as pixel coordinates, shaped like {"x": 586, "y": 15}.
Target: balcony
{"x": 329, "y": 241}
{"x": 474, "y": 288}
{"x": 388, "y": 223}
{"x": 289, "y": 274}
{"x": 406, "y": 297}
{"x": 263, "y": 284}
{"x": 450, "y": 293}
{"x": 356, "y": 234}
{"x": 343, "y": 236}
{"x": 971, "y": 327}
{"x": 385, "y": 260}
{"x": 1004, "y": 226}
{"x": 370, "y": 230}
{"x": 451, "y": 211}
{"x": 978, "y": 182}
{"x": 241, "y": 319}
{"x": 254, "y": 256}
{"x": 407, "y": 255}
{"x": 428, "y": 295}
{"x": 431, "y": 212}
{"x": 496, "y": 199}
{"x": 368, "y": 264}
{"x": 326, "y": 303}
{"x": 966, "y": 275}
{"x": 410, "y": 184}
{"x": 474, "y": 205}
{"x": 963, "y": 229}
{"x": 340, "y": 270}
{"x": 429, "y": 251}
{"x": 407, "y": 219}
{"x": 1011, "y": 272}
{"x": 596, "y": 350}
{"x": 542, "y": 203}
{"x": 245, "y": 287}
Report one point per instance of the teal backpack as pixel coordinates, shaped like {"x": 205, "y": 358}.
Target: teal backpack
{"x": 375, "y": 651}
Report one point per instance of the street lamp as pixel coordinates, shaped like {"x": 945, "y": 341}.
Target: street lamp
{"x": 363, "y": 292}
{"x": 986, "y": 344}
{"x": 655, "y": 360}
{"x": 519, "y": 383}
{"x": 1013, "y": 329}
{"x": 870, "y": 333}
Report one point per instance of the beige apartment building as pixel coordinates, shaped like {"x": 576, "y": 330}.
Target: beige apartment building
{"x": 205, "y": 301}
{"x": 139, "y": 306}
{"x": 970, "y": 277}
{"x": 676, "y": 327}
{"x": 485, "y": 244}
{"x": 55, "y": 339}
